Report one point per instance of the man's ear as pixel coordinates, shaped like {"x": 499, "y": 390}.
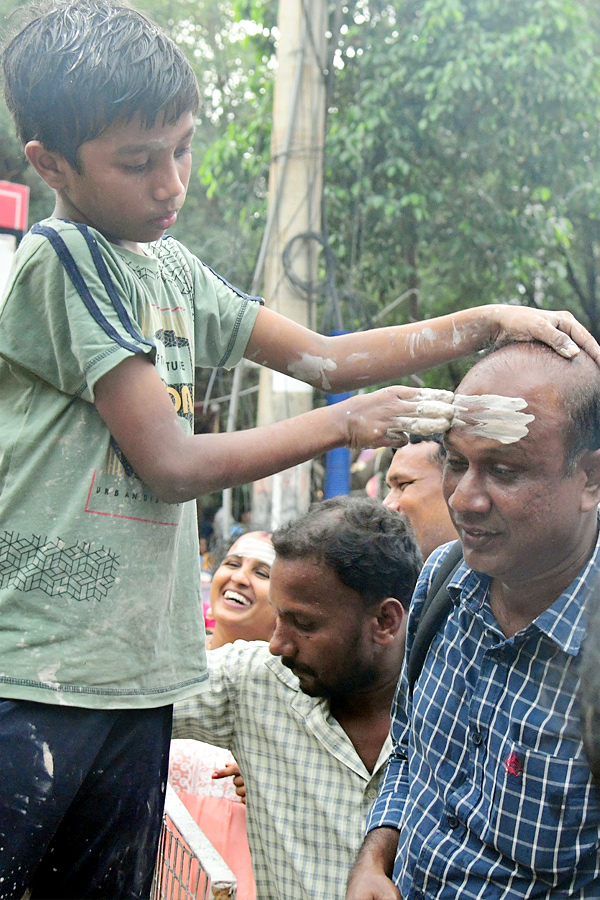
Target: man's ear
{"x": 388, "y": 621}
{"x": 51, "y": 166}
{"x": 590, "y": 465}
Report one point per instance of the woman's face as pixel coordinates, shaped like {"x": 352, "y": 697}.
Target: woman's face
{"x": 239, "y": 595}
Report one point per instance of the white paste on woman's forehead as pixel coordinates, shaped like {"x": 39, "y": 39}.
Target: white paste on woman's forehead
{"x": 311, "y": 368}
{"x": 252, "y": 548}
{"x": 492, "y": 416}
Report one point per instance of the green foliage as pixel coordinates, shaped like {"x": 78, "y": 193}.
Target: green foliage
{"x": 463, "y": 154}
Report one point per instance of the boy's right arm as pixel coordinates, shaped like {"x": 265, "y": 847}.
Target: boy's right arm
{"x": 135, "y": 405}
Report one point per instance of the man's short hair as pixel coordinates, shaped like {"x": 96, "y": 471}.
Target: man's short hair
{"x": 372, "y": 550}
{"x": 77, "y": 66}
{"x": 438, "y": 451}
{"x": 579, "y": 381}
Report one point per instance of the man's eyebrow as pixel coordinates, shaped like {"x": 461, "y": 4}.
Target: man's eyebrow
{"x": 500, "y": 451}
{"x": 447, "y": 440}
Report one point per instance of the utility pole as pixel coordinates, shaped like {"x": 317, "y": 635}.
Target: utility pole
{"x": 294, "y": 211}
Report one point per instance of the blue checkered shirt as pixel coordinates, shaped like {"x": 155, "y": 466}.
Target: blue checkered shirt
{"x": 487, "y": 781}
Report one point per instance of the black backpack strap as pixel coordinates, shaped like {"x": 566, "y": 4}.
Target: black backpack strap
{"x": 435, "y": 610}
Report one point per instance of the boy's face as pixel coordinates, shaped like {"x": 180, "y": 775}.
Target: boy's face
{"x": 133, "y": 180}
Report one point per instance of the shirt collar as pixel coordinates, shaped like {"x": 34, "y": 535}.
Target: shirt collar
{"x": 317, "y": 718}
{"x": 563, "y": 622}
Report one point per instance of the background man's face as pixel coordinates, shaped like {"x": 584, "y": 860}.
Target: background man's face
{"x": 321, "y": 631}
{"x": 517, "y": 511}
{"x": 415, "y": 482}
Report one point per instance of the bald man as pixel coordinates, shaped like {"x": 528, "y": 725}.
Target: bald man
{"x": 487, "y": 792}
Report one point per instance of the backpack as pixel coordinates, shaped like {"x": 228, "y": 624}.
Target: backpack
{"x": 436, "y": 609}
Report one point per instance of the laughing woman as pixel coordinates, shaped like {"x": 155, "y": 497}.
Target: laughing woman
{"x": 239, "y": 592}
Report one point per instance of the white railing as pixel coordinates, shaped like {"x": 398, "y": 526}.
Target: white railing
{"x": 188, "y": 866}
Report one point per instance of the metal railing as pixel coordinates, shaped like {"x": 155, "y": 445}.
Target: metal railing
{"x": 188, "y": 867}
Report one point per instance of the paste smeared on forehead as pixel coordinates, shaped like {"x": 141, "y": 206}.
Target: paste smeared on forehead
{"x": 250, "y": 547}
{"x": 492, "y": 416}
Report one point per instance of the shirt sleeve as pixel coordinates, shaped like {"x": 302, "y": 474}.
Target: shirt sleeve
{"x": 59, "y": 320}
{"x": 224, "y": 316}
{"x": 212, "y": 715}
{"x": 388, "y": 807}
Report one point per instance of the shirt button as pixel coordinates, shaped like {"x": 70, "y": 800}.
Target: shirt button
{"x": 371, "y": 793}
{"x": 453, "y": 821}
{"x": 477, "y": 738}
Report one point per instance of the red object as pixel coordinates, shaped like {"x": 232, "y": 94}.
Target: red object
{"x": 14, "y": 205}
{"x": 513, "y": 765}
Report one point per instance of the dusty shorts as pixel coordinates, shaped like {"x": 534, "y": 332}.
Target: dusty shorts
{"x": 81, "y": 800}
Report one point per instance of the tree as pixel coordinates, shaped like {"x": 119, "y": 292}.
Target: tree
{"x": 464, "y": 142}
{"x": 462, "y": 156}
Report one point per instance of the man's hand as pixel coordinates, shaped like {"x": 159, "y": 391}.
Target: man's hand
{"x": 560, "y": 330}
{"x": 367, "y": 884}
{"x": 238, "y": 780}
{"x": 370, "y": 878}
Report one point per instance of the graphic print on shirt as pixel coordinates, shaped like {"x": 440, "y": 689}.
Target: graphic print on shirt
{"x": 80, "y": 571}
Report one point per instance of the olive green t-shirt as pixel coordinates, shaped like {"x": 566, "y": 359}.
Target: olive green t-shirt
{"x": 100, "y": 601}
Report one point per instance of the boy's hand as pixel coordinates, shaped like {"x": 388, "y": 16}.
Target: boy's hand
{"x": 385, "y": 417}
{"x": 560, "y": 330}
{"x": 238, "y": 780}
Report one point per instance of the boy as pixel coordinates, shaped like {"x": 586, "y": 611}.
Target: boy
{"x": 102, "y": 324}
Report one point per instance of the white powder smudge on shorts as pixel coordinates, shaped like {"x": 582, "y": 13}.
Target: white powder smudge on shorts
{"x": 48, "y": 760}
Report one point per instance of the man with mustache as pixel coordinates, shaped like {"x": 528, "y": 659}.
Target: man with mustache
{"x": 307, "y": 716}
{"x": 487, "y": 793}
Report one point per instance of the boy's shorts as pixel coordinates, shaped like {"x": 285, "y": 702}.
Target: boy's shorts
{"x": 81, "y": 800}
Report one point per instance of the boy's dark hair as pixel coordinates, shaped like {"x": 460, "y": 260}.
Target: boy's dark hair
{"x": 371, "y": 549}
{"x": 77, "y": 66}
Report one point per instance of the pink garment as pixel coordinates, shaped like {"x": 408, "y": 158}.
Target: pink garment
{"x": 214, "y": 805}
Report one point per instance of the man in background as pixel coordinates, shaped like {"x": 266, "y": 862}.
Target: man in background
{"x": 414, "y": 479}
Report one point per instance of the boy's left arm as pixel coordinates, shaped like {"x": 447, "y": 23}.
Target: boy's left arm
{"x": 361, "y": 359}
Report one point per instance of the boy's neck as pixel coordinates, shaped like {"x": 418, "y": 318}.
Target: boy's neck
{"x": 130, "y": 245}
{"x": 63, "y": 211}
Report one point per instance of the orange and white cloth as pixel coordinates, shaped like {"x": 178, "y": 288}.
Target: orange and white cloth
{"x": 214, "y": 805}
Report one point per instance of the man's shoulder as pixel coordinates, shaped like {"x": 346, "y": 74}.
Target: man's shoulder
{"x": 249, "y": 661}
{"x": 244, "y": 653}
{"x": 447, "y": 555}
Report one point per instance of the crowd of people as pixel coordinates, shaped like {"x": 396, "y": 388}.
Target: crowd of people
{"x": 408, "y": 668}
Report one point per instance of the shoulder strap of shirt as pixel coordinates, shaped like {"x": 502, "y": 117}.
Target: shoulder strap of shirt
{"x": 74, "y": 272}
{"x": 435, "y": 610}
